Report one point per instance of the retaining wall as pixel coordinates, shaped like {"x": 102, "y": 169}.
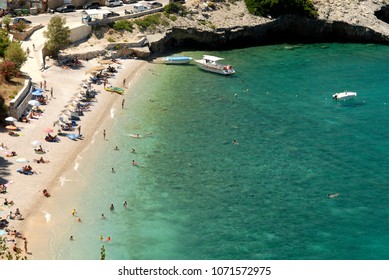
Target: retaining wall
{"x": 20, "y": 103}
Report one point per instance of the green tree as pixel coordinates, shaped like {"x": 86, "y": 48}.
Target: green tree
{"x": 174, "y": 8}
{"x": 277, "y": 8}
{"x": 4, "y": 41}
{"x": 7, "y": 21}
{"x": 16, "y": 54}
{"x": 57, "y": 35}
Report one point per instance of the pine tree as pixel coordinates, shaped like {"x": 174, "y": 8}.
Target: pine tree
{"x": 57, "y": 35}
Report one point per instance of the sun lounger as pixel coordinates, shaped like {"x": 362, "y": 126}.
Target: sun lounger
{"x": 73, "y": 136}
{"x": 20, "y": 170}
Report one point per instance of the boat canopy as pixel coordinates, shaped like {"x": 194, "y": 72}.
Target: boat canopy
{"x": 212, "y": 58}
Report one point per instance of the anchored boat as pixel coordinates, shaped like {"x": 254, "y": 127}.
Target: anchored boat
{"x": 176, "y": 59}
{"x": 344, "y": 95}
{"x": 209, "y": 63}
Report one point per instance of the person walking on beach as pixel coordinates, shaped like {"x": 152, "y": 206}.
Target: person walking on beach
{"x": 44, "y": 84}
{"x": 104, "y": 134}
{"x": 123, "y": 103}
{"x": 51, "y": 92}
{"x": 25, "y": 246}
{"x": 73, "y": 212}
{"x": 124, "y": 82}
{"x": 79, "y": 130}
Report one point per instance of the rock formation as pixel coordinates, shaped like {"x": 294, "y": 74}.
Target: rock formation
{"x": 230, "y": 26}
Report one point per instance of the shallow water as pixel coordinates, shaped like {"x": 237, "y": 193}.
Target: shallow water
{"x": 195, "y": 195}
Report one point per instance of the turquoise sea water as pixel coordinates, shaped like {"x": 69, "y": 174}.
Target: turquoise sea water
{"x": 196, "y": 195}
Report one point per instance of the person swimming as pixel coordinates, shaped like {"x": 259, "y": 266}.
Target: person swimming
{"x": 333, "y": 195}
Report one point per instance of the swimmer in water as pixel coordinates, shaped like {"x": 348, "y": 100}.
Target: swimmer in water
{"x": 125, "y": 204}
{"x": 333, "y": 195}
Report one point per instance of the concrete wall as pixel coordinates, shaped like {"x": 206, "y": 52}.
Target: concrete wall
{"x": 112, "y": 19}
{"x": 20, "y": 103}
{"x": 79, "y": 32}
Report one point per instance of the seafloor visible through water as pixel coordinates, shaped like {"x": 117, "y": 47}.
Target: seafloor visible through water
{"x": 194, "y": 194}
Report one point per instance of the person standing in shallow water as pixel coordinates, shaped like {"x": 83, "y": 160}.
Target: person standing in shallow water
{"x": 104, "y": 134}
{"x": 111, "y": 207}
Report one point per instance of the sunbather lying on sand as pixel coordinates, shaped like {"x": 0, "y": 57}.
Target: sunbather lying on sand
{"x": 41, "y": 160}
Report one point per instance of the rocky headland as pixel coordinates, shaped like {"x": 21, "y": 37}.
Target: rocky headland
{"x": 229, "y": 25}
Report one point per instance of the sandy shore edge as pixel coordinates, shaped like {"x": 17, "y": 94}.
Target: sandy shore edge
{"x": 26, "y": 191}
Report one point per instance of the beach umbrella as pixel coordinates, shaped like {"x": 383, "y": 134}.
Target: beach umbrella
{"x": 11, "y": 127}
{"x": 34, "y": 103}
{"x": 48, "y": 130}
{"x": 21, "y": 160}
{"x": 10, "y": 119}
{"x": 36, "y": 143}
{"x": 37, "y": 92}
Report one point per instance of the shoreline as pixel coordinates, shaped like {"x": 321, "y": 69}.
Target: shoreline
{"x": 26, "y": 191}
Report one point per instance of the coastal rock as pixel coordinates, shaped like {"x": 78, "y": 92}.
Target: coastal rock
{"x": 230, "y": 26}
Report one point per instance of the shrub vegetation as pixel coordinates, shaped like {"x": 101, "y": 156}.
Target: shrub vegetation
{"x": 277, "y": 8}
{"x": 123, "y": 25}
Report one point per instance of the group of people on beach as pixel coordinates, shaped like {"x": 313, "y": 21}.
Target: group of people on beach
{"x": 13, "y": 235}
{"x": 36, "y": 113}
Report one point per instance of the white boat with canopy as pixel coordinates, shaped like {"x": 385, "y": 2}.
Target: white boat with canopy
{"x": 209, "y": 63}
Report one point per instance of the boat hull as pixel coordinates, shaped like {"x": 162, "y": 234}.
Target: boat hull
{"x": 216, "y": 68}
{"x": 115, "y": 89}
{"x": 344, "y": 95}
{"x": 176, "y": 60}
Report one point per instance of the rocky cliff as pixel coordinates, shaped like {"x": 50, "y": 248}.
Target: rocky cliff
{"x": 229, "y": 25}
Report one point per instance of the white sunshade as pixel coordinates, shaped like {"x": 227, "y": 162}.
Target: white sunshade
{"x": 211, "y": 57}
{"x": 97, "y": 12}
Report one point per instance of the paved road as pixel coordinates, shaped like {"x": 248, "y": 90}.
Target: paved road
{"x": 75, "y": 17}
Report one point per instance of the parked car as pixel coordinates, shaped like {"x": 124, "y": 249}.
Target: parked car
{"x": 91, "y": 5}
{"x": 129, "y": 1}
{"x": 139, "y": 8}
{"x": 113, "y": 3}
{"x": 154, "y": 4}
{"x": 66, "y": 8}
{"x": 112, "y": 14}
{"x": 19, "y": 19}
{"x": 177, "y": 1}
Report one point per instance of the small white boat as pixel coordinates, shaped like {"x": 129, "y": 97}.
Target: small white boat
{"x": 344, "y": 95}
{"x": 209, "y": 63}
{"x": 176, "y": 59}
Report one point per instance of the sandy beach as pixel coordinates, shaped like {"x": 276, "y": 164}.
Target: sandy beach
{"x": 26, "y": 190}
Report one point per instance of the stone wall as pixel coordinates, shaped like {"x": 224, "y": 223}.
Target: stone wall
{"x": 21, "y": 36}
{"x": 19, "y": 104}
{"x": 103, "y": 22}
